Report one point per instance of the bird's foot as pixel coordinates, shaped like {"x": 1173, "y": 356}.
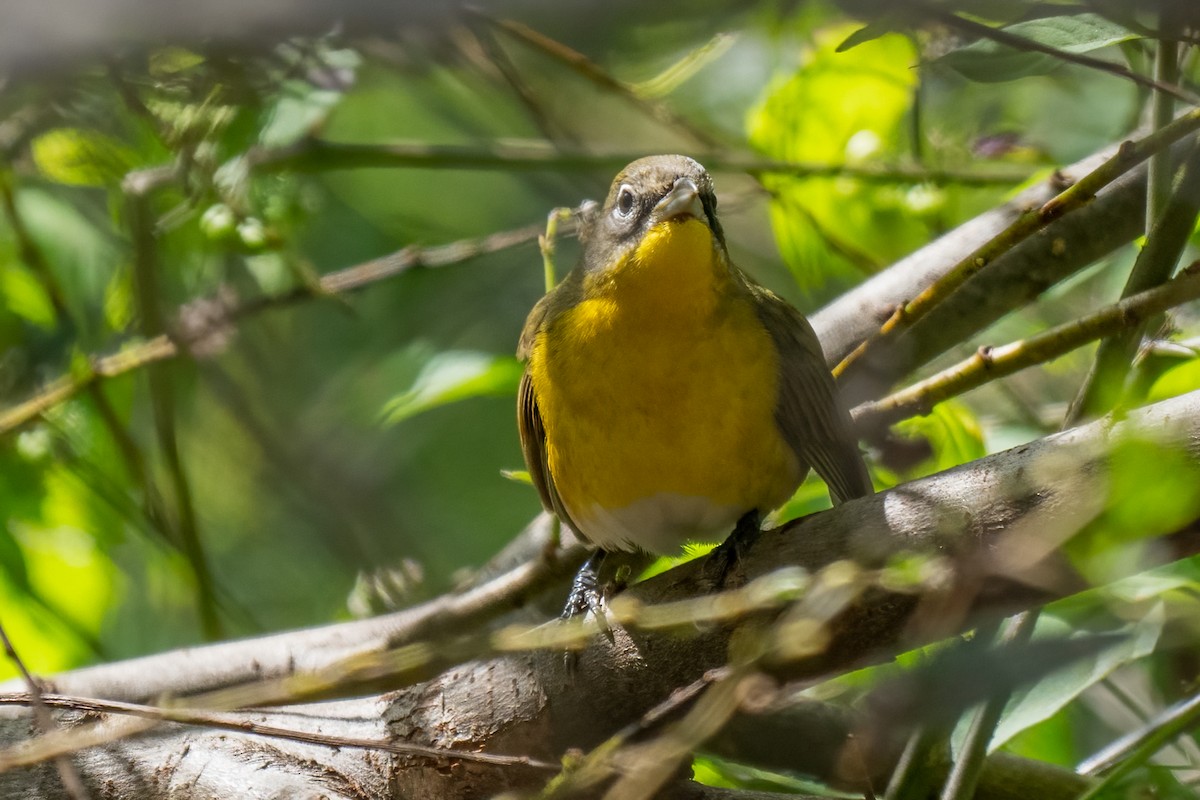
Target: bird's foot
{"x": 585, "y": 594}
{"x": 724, "y": 559}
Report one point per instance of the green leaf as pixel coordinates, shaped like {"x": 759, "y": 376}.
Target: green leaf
{"x": 952, "y": 433}
{"x": 453, "y": 376}
{"x": 1053, "y": 740}
{"x": 12, "y": 562}
{"x": 988, "y": 61}
{"x": 719, "y": 772}
{"x": 1030, "y": 706}
{"x": 118, "y": 300}
{"x": 517, "y": 476}
{"x": 1175, "y": 381}
{"x": 25, "y": 297}
{"x": 869, "y": 33}
{"x": 171, "y": 60}
{"x": 81, "y": 254}
{"x": 1150, "y": 488}
{"x": 839, "y": 225}
{"x": 82, "y": 157}
{"x": 300, "y": 109}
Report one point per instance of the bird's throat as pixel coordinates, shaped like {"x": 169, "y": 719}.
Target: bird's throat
{"x": 676, "y": 272}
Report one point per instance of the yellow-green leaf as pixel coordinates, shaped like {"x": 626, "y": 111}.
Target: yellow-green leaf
{"x": 26, "y": 298}
{"x": 824, "y": 224}
{"x": 453, "y": 376}
{"x": 81, "y": 157}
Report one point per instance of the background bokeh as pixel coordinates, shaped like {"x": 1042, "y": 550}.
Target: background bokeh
{"x": 331, "y": 438}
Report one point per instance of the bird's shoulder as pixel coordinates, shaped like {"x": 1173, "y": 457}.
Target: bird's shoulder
{"x": 787, "y": 326}
{"x": 559, "y": 299}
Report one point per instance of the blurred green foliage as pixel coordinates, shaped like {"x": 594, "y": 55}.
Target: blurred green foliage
{"x": 988, "y": 60}
{"x": 328, "y": 437}
{"x": 842, "y": 107}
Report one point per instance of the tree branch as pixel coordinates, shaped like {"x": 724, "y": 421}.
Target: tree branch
{"x": 1129, "y": 155}
{"x": 999, "y": 519}
{"x": 990, "y": 363}
{"x": 320, "y": 155}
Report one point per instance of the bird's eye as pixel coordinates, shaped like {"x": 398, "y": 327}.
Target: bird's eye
{"x": 625, "y": 201}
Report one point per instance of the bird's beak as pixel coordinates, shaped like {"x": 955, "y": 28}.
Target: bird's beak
{"x": 683, "y": 199}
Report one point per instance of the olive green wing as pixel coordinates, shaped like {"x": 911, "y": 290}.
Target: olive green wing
{"x": 810, "y": 412}
{"x": 529, "y": 417}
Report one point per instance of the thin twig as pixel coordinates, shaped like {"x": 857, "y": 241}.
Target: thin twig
{"x": 372, "y": 670}
{"x": 33, "y": 256}
{"x": 1136, "y": 746}
{"x": 964, "y": 775}
{"x": 990, "y": 363}
{"x": 491, "y": 57}
{"x": 1104, "y": 384}
{"x": 134, "y": 356}
{"x": 802, "y": 630}
{"x": 593, "y": 72}
{"x": 597, "y": 764}
{"x": 146, "y": 270}
{"x": 1130, "y": 752}
{"x": 67, "y": 773}
{"x": 318, "y": 155}
{"x": 1162, "y": 111}
{"x": 239, "y": 724}
{"x": 912, "y": 777}
{"x": 652, "y": 765}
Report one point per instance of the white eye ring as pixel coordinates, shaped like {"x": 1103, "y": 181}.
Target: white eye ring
{"x": 625, "y": 201}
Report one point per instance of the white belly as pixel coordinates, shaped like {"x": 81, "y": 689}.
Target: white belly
{"x": 660, "y": 524}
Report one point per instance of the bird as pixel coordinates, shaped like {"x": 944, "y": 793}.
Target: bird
{"x": 667, "y": 397}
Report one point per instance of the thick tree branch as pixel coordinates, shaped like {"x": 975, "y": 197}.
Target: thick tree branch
{"x": 999, "y": 520}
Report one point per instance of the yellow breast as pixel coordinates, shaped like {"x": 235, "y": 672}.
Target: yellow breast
{"x": 658, "y": 393}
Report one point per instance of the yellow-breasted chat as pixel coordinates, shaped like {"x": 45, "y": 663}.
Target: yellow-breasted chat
{"x": 668, "y": 398}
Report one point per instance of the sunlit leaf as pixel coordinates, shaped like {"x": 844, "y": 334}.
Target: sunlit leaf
{"x": 170, "y": 60}
{"x": 24, "y": 296}
{"x": 870, "y": 32}
{"x": 952, "y": 435}
{"x": 517, "y": 476}
{"x": 986, "y": 60}
{"x": 118, "y": 301}
{"x": 453, "y": 376}
{"x": 81, "y": 157}
{"x": 713, "y": 771}
{"x": 838, "y": 224}
{"x": 1177, "y": 380}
